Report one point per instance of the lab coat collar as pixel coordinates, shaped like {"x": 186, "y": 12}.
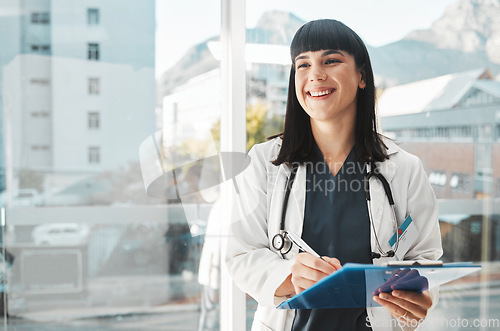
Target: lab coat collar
{"x": 388, "y": 168}
{"x": 392, "y": 148}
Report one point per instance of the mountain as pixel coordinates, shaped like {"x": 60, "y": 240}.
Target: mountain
{"x": 197, "y": 60}
{"x": 407, "y": 61}
{"x": 469, "y": 26}
{"x": 465, "y": 37}
{"x": 274, "y": 27}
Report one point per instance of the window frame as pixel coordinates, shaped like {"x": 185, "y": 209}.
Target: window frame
{"x": 94, "y": 85}
{"x": 93, "y": 16}
{"x": 232, "y": 139}
{"x": 93, "y": 51}
{"x": 94, "y": 155}
{"x": 40, "y": 18}
{"x": 93, "y": 120}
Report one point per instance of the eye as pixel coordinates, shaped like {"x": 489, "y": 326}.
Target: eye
{"x": 302, "y": 65}
{"x": 332, "y": 61}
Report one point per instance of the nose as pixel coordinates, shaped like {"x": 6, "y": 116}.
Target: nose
{"x": 317, "y": 74}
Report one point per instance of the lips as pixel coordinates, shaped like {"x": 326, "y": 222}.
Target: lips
{"x": 320, "y": 93}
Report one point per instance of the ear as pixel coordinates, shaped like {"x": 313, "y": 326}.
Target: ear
{"x": 362, "y": 80}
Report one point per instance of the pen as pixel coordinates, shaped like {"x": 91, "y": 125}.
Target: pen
{"x": 301, "y": 244}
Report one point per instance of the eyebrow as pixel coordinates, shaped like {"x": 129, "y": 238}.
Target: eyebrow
{"x": 325, "y": 53}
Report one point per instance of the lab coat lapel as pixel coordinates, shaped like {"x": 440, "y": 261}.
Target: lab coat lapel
{"x": 296, "y": 202}
{"x": 296, "y": 205}
{"x": 276, "y": 203}
{"x": 381, "y": 213}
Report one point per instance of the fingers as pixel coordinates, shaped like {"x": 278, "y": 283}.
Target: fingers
{"x": 398, "y": 312}
{"x": 333, "y": 261}
{"x": 307, "y": 270}
{"x": 387, "y": 286}
{"x": 409, "y": 280}
{"x": 412, "y": 284}
{"x": 422, "y": 300}
{"x": 408, "y": 304}
{"x": 326, "y": 265}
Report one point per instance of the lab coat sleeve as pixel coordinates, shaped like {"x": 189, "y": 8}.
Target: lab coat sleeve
{"x": 254, "y": 266}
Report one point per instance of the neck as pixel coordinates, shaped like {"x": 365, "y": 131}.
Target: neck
{"x": 335, "y": 139}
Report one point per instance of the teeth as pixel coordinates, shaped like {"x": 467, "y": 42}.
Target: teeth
{"x": 320, "y": 93}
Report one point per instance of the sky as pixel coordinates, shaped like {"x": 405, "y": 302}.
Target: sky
{"x": 182, "y": 24}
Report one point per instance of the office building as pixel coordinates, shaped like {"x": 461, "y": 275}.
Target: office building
{"x": 452, "y": 123}
{"x": 70, "y": 62}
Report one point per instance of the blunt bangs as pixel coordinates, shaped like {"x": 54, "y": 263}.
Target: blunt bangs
{"x": 327, "y": 34}
{"x": 297, "y": 135}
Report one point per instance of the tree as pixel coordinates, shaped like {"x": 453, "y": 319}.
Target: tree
{"x": 259, "y": 125}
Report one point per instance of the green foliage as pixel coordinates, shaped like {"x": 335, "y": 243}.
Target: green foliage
{"x": 258, "y": 125}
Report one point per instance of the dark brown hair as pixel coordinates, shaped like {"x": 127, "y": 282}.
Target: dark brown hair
{"x": 297, "y": 134}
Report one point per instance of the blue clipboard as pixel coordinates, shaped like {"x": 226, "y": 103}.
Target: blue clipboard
{"x": 355, "y": 284}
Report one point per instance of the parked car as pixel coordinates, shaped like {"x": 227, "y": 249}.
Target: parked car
{"x": 27, "y": 197}
{"x": 60, "y": 234}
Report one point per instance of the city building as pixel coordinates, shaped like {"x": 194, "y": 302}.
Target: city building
{"x": 71, "y": 62}
{"x": 452, "y": 123}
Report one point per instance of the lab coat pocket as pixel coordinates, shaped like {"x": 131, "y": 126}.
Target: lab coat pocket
{"x": 259, "y": 326}
{"x": 263, "y": 318}
{"x": 408, "y": 234}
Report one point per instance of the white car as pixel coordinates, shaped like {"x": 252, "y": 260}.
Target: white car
{"x": 60, "y": 234}
{"x": 27, "y": 197}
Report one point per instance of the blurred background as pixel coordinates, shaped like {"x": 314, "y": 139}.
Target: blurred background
{"x": 100, "y": 99}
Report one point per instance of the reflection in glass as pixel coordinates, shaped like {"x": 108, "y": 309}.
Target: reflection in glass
{"x": 445, "y": 115}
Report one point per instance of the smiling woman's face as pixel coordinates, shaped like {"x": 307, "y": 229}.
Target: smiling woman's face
{"x": 326, "y": 83}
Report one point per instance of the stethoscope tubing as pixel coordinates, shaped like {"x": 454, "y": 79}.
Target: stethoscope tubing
{"x": 283, "y": 244}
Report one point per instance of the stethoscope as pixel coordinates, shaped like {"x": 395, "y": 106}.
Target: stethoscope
{"x": 282, "y": 243}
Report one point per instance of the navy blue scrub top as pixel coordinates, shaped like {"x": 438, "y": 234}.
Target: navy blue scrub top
{"x": 336, "y": 224}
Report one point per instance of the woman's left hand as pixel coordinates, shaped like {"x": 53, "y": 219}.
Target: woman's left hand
{"x": 405, "y": 306}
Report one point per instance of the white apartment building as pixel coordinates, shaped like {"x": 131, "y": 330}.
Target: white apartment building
{"x": 77, "y": 87}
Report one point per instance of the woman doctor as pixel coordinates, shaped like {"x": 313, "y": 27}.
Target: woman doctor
{"x": 329, "y": 137}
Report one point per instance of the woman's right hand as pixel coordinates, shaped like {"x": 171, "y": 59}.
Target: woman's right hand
{"x": 308, "y": 270}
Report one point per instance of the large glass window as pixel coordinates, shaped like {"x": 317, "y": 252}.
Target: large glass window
{"x": 95, "y": 237}
{"x": 443, "y": 114}
{"x": 110, "y": 214}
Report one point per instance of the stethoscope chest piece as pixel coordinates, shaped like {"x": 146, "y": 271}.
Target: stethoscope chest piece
{"x": 281, "y": 243}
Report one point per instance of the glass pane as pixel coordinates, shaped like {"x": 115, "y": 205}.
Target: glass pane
{"x": 93, "y": 97}
{"x": 438, "y": 98}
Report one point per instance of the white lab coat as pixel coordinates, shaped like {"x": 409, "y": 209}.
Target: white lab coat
{"x": 259, "y": 270}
